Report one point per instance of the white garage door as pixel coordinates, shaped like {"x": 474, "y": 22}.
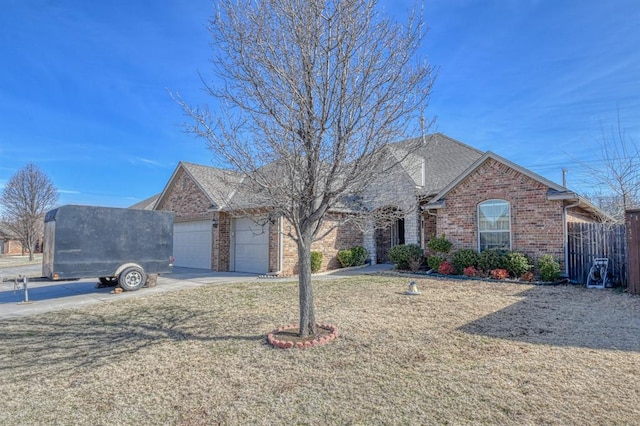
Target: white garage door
{"x": 251, "y": 246}
{"x": 192, "y": 244}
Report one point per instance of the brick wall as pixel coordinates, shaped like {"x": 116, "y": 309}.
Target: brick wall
{"x": 222, "y": 243}
{"x": 342, "y": 236}
{"x": 185, "y": 199}
{"x": 12, "y": 247}
{"x": 536, "y": 223}
{"x": 428, "y": 227}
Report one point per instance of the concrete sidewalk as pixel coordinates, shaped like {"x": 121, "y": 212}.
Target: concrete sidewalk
{"x": 45, "y": 296}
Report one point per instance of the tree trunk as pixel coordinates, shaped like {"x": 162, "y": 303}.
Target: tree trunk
{"x": 307, "y": 310}
{"x": 30, "y": 246}
{"x": 31, "y": 249}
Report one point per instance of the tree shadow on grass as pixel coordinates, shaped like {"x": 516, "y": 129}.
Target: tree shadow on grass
{"x": 60, "y": 343}
{"x": 566, "y": 316}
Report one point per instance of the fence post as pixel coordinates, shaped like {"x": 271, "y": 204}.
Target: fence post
{"x": 632, "y": 221}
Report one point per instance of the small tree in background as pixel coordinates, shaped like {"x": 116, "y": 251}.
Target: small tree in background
{"x": 616, "y": 174}
{"x": 28, "y": 195}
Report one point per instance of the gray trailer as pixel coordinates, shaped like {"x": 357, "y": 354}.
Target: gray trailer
{"x": 117, "y": 245}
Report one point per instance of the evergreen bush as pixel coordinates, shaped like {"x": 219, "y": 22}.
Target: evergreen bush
{"x": 359, "y": 255}
{"x": 516, "y": 263}
{"x": 491, "y": 259}
{"x": 345, "y": 257}
{"x": 354, "y": 256}
{"x": 548, "y": 268}
{"x": 316, "y": 261}
{"x": 439, "y": 244}
{"x": 434, "y": 262}
{"x": 464, "y": 258}
{"x": 403, "y": 255}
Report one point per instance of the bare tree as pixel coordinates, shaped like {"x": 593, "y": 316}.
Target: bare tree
{"x": 309, "y": 93}
{"x": 25, "y": 199}
{"x": 617, "y": 173}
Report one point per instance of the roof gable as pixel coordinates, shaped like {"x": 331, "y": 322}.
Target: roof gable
{"x": 490, "y": 155}
{"x": 554, "y": 192}
{"x": 214, "y": 183}
{"x": 444, "y": 158}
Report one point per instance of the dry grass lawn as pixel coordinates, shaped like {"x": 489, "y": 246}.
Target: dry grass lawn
{"x": 462, "y": 352}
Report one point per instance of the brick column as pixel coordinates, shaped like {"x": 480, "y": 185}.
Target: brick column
{"x": 412, "y": 227}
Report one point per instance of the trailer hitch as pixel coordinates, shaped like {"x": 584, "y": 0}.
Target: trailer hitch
{"x": 22, "y": 282}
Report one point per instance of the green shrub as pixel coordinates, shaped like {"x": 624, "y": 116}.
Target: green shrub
{"x": 516, "y": 263}
{"x": 439, "y": 244}
{"x": 491, "y": 259}
{"x": 434, "y": 262}
{"x": 406, "y": 255}
{"x": 345, "y": 257}
{"x": 464, "y": 258}
{"x": 316, "y": 261}
{"x": 354, "y": 256}
{"x": 359, "y": 255}
{"x": 548, "y": 268}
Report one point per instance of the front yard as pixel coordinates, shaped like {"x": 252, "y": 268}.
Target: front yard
{"x": 461, "y": 352}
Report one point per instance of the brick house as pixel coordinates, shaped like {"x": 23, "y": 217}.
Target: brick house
{"x": 497, "y": 204}
{"x": 478, "y": 200}
{"x": 9, "y": 243}
{"x": 208, "y": 234}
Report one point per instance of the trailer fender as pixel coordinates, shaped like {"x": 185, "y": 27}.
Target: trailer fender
{"x": 125, "y": 266}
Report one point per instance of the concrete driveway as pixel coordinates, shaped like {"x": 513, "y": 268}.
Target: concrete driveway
{"x": 44, "y": 295}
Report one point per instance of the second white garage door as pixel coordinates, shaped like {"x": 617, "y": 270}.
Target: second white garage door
{"x": 251, "y": 252}
{"x": 192, "y": 244}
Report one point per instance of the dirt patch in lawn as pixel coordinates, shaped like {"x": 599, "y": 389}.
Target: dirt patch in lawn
{"x": 461, "y": 352}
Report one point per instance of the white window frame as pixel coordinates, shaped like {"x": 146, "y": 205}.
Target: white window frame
{"x": 480, "y": 232}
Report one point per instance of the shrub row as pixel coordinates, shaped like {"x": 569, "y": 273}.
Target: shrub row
{"x": 498, "y": 264}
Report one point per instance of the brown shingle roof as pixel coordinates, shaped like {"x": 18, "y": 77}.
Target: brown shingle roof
{"x": 146, "y": 204}
{"x": 217, "y": 184}
{"x": 445, "y": 158}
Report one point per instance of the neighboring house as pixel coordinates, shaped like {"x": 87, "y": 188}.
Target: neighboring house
{"x": 477, "y": 200}
{"x": 146, "y": 204}
{"x": 9, "y": 243}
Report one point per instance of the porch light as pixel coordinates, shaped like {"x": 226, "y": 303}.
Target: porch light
{"x": 214, "y": 222}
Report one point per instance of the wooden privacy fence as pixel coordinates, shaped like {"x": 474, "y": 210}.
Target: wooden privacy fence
{"x": 588, "y": 241}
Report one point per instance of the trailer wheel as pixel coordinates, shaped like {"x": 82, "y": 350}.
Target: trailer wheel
{"x": 132, "y": 278}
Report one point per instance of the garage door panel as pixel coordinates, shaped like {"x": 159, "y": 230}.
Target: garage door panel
{"x": 192, "y": 244}
{"x": 251, "y": 246}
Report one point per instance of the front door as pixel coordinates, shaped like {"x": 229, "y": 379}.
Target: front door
{"x": 387, "y": 238}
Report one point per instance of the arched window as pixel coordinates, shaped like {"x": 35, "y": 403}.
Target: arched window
{"x": 494, "y": 225}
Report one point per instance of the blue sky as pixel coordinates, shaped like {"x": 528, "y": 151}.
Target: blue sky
{"x": 84, "y": 85}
